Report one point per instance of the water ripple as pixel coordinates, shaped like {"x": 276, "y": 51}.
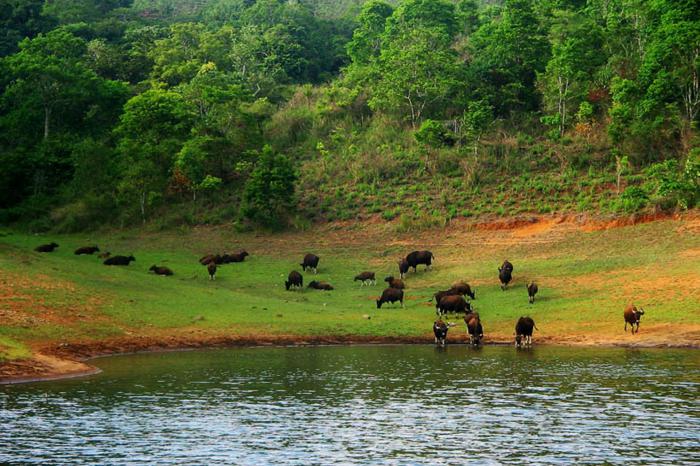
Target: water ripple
{"x": 399, "y": 405}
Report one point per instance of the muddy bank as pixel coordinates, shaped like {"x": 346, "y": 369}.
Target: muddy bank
{"x": 71, "y": 360}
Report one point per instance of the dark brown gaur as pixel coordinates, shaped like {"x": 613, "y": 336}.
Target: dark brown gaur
{"x": 86, "y": 250}
{"x": 395, "y": 282}
{"x": 474, "y": 328}
{"x": 417, "y": 258}
{"x": 310, "y": 262}
{"x": 440, "y": 329}
{"x": 119, "y": 260}
{"x": 320, "y": 286}
{"x": 164, "y": 271}
{"x": 366, "y": 278}
{"x": 295, "y": 280}
{"x": 390, "y": 295}
{"x": 505, "y": 276}
{"x": 523, "y": 330}
{"x": 632, "y": 317}
{"x": 235, "y": 257}
{"x": 211, "y": 269}
{"x": 209, "y": 258}
{"x": 46, "y": 247}
{"x": 403, "y": 268}
{"x": 441, "y": 294}
{"x": 531, "y": 291}
{"x": 452, "y": 303}
{"x": 463, "y": 288}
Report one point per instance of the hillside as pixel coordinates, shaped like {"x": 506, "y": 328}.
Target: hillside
{"x": 58, "y": 307}
{"x": 270, "y": 114}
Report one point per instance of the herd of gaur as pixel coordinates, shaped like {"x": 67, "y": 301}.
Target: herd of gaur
{"x": 451, "y": 301}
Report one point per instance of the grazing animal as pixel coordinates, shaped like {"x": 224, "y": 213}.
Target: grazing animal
{"x": 395, "y": 282}
{"x": 523, "y": 330}
{"x": 440, "y": 329}
{"x": 464, "y": 289}
{"x": 86, "y": 250}
{"x": 452, "y": 303}
{"x": 367, "y": 278}
{"x": 531, "y": 291}
{"x": 403, "y": 267}
{"x": 165, "y": 271}
{"x": 506, "y": 266}
{"x": 311, "y": 262}
{"x": 441, "y": 294}
{"x": 633, "y": 316}
{"x": 320, "y": 286}
{"x": 104, "y": 255}
{"x": 474, "y": 328}
{"x": 209, "y": 258}
{"x": 390, "y": 295}
{"x": 505, "y": 276}
{"x": 294, "y": 280}
{"x": 119, "y": 260}
{"x": 46, "y": 247}
{"x": 417, "y": 258}
{"x": 211, "y": 269}
{"x": 236, "y": 257}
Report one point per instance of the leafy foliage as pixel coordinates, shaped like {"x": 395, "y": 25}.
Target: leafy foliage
{"x": 269, "y": 192}
{"x": 418, "y": 109}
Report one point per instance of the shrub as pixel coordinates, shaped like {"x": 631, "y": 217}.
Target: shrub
{"x": 433, "y": 134}
{"x": 632, "y": 199}
{"x": 390, "y": 214}
{"x": 671, "y": 185}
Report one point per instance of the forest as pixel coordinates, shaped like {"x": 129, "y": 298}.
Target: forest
{"x": 279, "y": 114}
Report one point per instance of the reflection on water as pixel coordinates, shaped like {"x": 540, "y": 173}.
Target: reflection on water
{"x": 366, "y": 404}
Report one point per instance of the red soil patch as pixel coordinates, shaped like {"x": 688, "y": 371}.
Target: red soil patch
{"x": 538, "y": 228}
{"x": 635, "y": 219}
{"x": 19, "y": 305}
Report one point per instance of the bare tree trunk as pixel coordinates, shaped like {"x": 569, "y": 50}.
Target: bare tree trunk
{"x": 143, "y": 206}
{"x": 413, "y": 112}
{"x": 47, "y": 119}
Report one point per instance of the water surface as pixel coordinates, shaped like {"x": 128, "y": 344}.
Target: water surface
{"x": 364, "y": 404}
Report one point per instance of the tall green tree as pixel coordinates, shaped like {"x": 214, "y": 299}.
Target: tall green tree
{"x": 49, "y": 77}
{"x": 151, "y": 131}
{"x": 507, "y": 53}
{"x": 178, "y": 57}
{"x": 577, "y": 44}
{"x": 417, "y": 74}
{"x": 366, "y": 43}
{"x": 21, "y": 19}
{"x": 268, "y": 198}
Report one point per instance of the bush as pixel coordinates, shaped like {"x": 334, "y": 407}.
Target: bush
{"x": 671, "y": 185}
{"x": 390, "y": 214}
{"x": 633, "y": 199}
{"x": 420, "y": 222}
{"x": 433, "y": 134}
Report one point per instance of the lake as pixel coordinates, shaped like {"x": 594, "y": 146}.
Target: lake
{"x": 395, "y": 404}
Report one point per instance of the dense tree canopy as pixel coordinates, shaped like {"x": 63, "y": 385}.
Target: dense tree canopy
{"x": 124, "y": 106}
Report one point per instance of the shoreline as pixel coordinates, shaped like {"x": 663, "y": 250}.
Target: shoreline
{"x": 68, "y": 361}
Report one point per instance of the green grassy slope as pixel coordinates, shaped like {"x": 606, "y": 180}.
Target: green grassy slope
{"x": 585, "y": 278}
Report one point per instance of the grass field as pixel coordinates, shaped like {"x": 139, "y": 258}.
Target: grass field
{"x": 586, "y": 277}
